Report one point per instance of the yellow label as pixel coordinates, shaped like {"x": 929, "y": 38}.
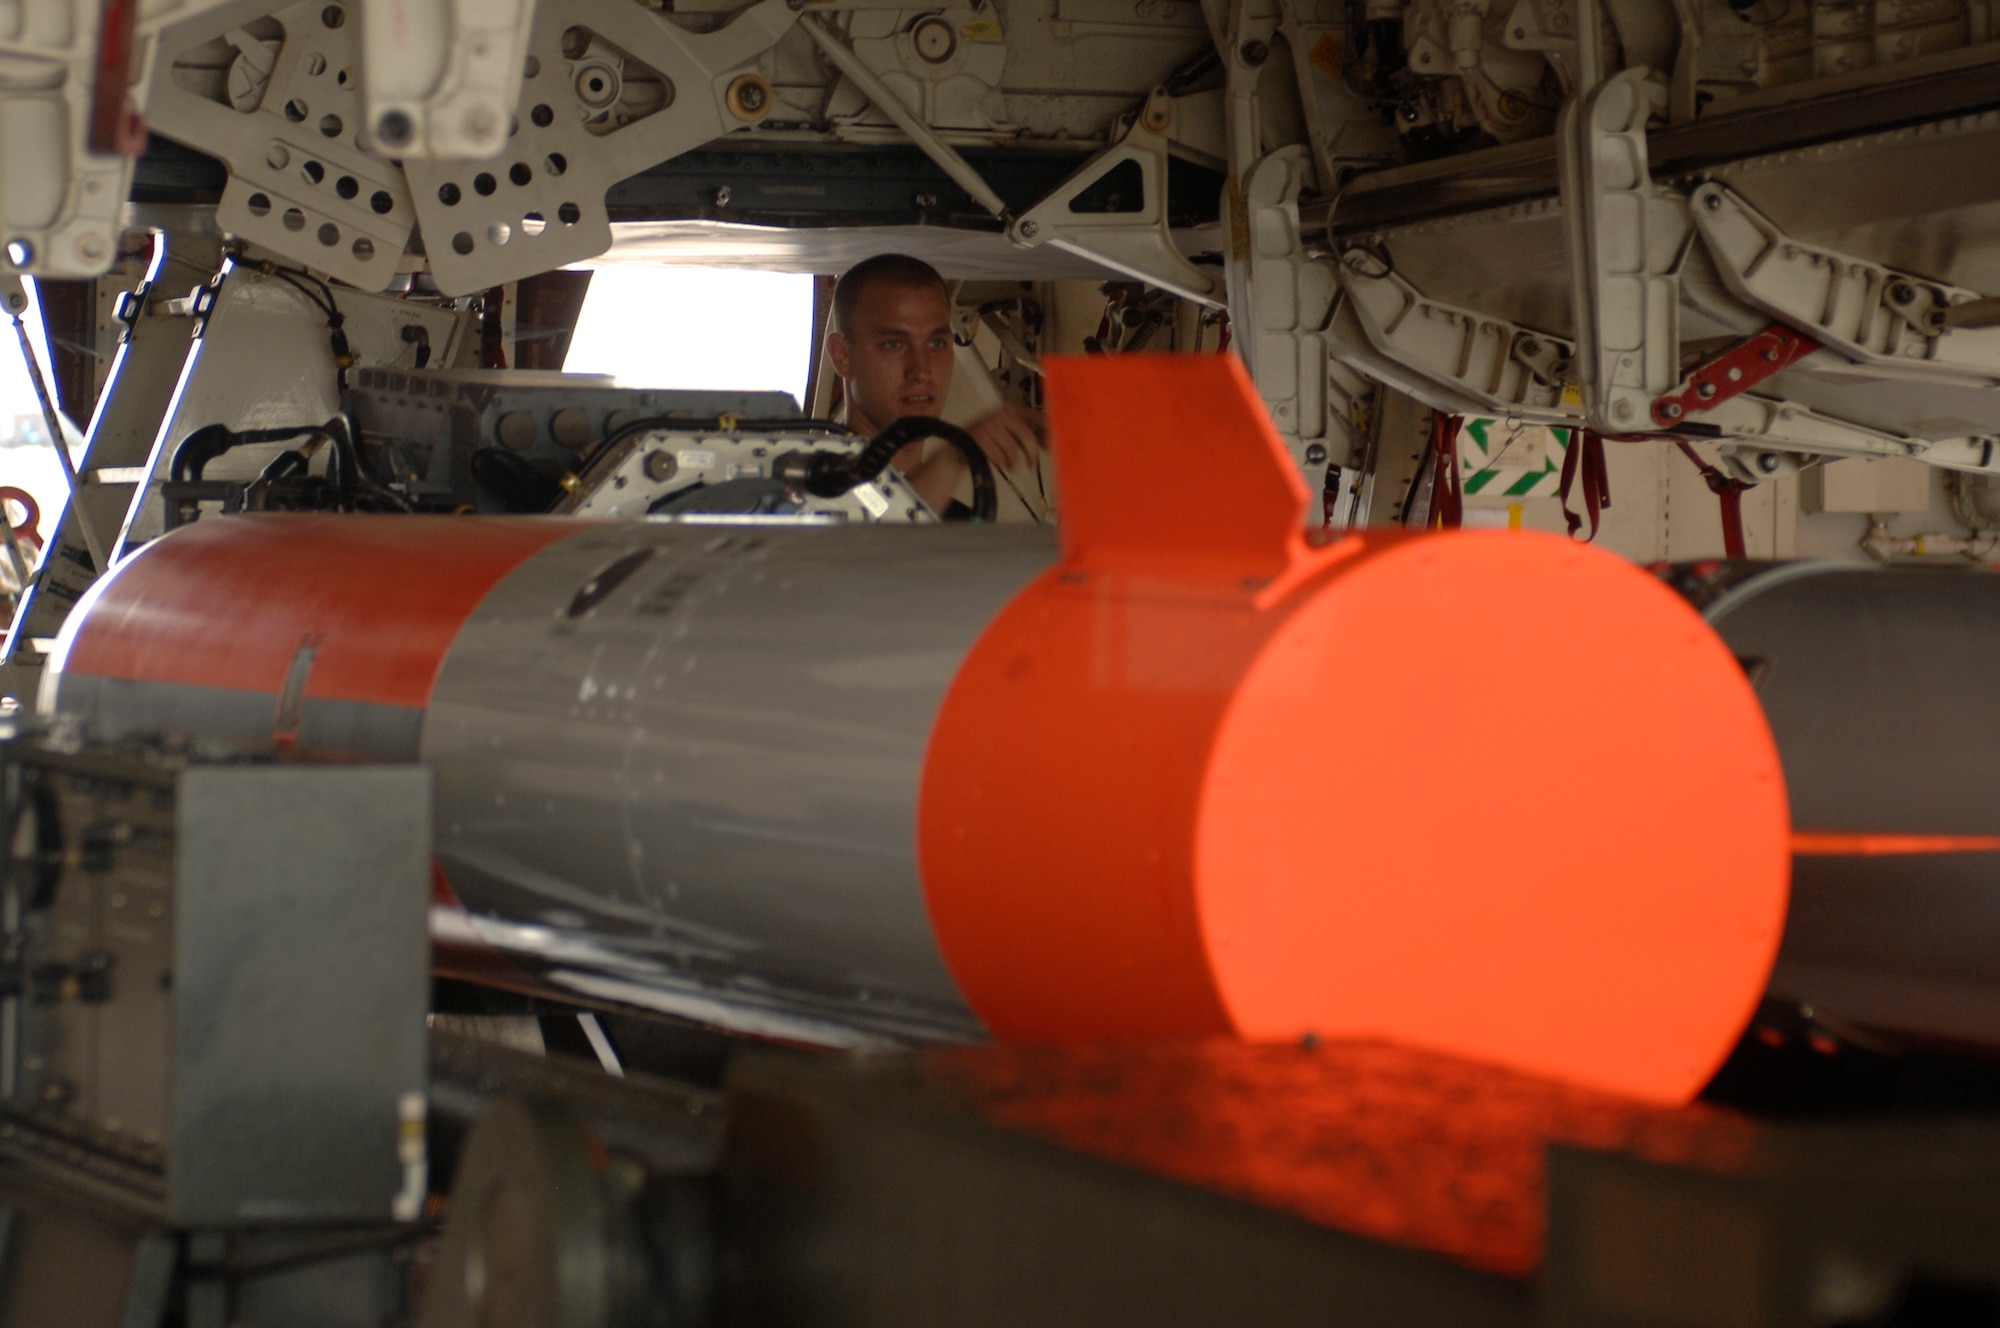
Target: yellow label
{"x": 1325, "y": 54}
{"x": 981, "y": 30}
{"x": 1239, "y": 223}
{"x": 1572, "y": 394}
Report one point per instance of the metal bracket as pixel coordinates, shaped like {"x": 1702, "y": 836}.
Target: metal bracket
{"x": 1734, "y": 371}
{"x": 942, "y": 64}
{"x": 1282, "y": 318}
{"x": 1504, "y": 368}
{"x": 1350, "y": 342}
{"x": 1748, "y": 423}
{"x": 1868, "y": 312}
{"x": 1129, "y": 233}
{"x": 441, "y": 78}
{"x": 1244, "y": 31}
{"x": 1541, "y": 25}
{"x": 301, "y": 183}
{"x": 1626, "y": 239}
{"x": 63, "y": 193}
{"x": 613, "y": 89}
{"x": 1314, "y": 45}
{"x": 885, "y": 99}
{"x": 129, "y": 306}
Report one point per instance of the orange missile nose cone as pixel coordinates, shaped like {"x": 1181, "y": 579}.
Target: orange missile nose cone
{"x": 1487, "y": 793}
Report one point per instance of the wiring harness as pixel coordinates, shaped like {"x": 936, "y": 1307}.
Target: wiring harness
{"x": 830, "y": 474}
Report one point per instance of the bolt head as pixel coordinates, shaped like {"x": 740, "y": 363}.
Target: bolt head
{"x": 1704, "y": 390}
{"x": 1030, "y": 230}
{"x": 1255, "y": 52}
{"x": 1670, "y": 409}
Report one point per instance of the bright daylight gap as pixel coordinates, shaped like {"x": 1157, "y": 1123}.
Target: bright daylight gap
{"x": 720, "y": 329}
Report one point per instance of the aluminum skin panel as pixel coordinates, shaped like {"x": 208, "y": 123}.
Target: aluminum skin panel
{"x": 1878, "y": 687}
{"x": 111, "y": 708}
{"x": 678, "y": 765}
{"x": 289, "y": 1074}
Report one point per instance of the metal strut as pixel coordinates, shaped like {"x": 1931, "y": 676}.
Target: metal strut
{"x": 17, "y": 304}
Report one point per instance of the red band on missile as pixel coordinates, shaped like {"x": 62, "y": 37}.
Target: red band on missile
{"x": 377, "y": 598}
{"x": 1487, "y": 793}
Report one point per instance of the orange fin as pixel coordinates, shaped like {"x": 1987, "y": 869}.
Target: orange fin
{"x": 1171, "y": 462}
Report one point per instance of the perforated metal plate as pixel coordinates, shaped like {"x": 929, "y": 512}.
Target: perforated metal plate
{"x": 610, "y": 89}
{"x": 300, "y": 182}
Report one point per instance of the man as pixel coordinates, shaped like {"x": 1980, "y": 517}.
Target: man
{"x": 891, "y": 345}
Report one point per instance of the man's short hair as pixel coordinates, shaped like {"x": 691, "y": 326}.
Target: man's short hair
{"x": 892, "y": 269}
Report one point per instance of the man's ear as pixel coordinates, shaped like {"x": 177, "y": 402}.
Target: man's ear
{"x": 837, "y": 350}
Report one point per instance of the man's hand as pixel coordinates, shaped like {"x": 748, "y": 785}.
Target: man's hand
{"x": 1010, "y": 434}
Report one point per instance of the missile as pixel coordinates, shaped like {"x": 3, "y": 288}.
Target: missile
{"x": 1877, "y": 685}
{"x": 1181, "y": 769}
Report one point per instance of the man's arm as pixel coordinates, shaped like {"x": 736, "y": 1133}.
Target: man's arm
{"x": 1008, "y": 436}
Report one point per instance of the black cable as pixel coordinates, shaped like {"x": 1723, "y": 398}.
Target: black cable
{"x": 358, "y": 491}
{"x": 509, "y": 477}
{"x": 829, "y": 475}
{"x": 288, "y": 464}
{"x": 197, "y": 450}
{"x": 336, "y": 322}
{"x": 355, "y": 478}
{"x": 285, "y": 275}
{"x": 210, "y": 441}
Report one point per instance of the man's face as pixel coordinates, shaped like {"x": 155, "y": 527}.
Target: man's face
{"x": 896, "y": 355}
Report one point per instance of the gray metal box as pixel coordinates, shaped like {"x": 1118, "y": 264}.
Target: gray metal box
{"x": 301, "y": 981}
{"x": 1867, "y": 484}
{"x": 222, "y": 997}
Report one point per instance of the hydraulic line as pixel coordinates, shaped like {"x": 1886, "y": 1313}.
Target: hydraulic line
{"x": 829, "y": 474}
